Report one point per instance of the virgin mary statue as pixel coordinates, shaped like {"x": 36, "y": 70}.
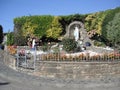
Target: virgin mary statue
{"x": 76, "y": 33}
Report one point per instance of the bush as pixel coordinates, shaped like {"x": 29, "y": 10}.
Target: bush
{"x": 97, "y": 43}
{"x": 69, "y": 45}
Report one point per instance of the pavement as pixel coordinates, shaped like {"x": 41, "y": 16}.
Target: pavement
{"x": 14, "y": 80}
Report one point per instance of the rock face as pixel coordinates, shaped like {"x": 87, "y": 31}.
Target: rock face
{"x": 83, "y": 37}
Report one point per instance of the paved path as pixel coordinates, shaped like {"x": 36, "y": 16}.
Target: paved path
{"x": 6, "y": 84}
{"x": 13, "y": 80}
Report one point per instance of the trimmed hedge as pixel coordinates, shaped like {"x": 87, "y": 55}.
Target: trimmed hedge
{"x": 40, "y": 25}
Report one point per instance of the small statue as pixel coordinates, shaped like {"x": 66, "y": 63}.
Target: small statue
{"x": 76, "y": 33}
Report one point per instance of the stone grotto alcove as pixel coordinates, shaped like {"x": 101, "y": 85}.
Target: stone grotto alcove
{"x": 82, "y": 36}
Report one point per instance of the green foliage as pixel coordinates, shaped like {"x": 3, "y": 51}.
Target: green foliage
{"x": 29, "y": 27}
{"x": 33, "y": 25}
{"x": 69, "y": 45}
{"x": 18, "y": 23}
{"x": 98, "y": 43}
{"x": 66, "y": 20}
{"x": 44, "y": 23}
{"x": 113, "y": 30}
{"x": 70, "y": 18}
{"x": 94, "y": 22}
{"x": 108, "y": 17}
{"x": 10, "y": 38}
{"x": 55, "y": 30}
{"x": 1, "y": 34}
{"x": 52, "y": 26}
{"x": 19, "y": 39}
{"x": 98, "y": 21}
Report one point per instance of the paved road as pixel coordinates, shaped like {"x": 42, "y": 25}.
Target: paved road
{"x": 6, "y": 84}
{"x": 13, "y": 80}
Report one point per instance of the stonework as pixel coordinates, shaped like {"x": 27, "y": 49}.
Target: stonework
{"x": 71, "y": 27}
{"x": 68, "y": 70}
{"x": 79, "y": 70}
{"x": 83, "y": 37}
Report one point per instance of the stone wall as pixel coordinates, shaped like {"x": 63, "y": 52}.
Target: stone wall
{"x": 67, "y": 70}
{"x": 78, "y": 70}
{"x": 8, "y": 59}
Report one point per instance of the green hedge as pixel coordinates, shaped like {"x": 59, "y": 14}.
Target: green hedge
{"x": 40, "y": 26}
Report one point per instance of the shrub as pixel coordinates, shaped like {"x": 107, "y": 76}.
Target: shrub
{"x": 97, "y": 43}
{"x": 69, "y": 45}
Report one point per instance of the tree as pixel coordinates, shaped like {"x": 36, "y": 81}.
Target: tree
{"x": 10, "y": 38}
{"x": 1, "y": 34}
{"x": 55, "y": 30}
{"x": 109, "y": 15}
{"x": 113, "y": 30}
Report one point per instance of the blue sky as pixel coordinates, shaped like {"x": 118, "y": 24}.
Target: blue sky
{"x": 10, "y": 9}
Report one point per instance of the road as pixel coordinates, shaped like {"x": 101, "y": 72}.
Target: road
{"x": 6, "y": 84}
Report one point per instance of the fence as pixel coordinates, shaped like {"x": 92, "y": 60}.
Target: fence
{"x": 26, "y": 54}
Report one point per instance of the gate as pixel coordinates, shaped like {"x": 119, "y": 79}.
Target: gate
{"x": 26, "y": 57}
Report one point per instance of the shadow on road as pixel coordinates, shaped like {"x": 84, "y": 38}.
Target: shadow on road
{"x": 4, "y": 83}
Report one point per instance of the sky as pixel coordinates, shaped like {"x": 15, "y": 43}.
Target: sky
{"x": 10, "y": 9}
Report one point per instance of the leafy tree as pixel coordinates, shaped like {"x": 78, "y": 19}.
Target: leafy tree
{"x": 109, "y": 15}
{"x": 113, "y": 30}
{"x": 55, "y": 30}
{"x": 1, "y": 34}
{"x": 10, "y": 38}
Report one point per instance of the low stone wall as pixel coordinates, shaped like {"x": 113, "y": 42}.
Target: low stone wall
{"x": 78, "y": 70}
{"x": 67, "y": 70}
{"x": 8, "y": 59}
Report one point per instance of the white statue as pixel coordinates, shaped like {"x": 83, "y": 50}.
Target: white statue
{"x": 76, "y": 33}
{"x": 33, "y": 43}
